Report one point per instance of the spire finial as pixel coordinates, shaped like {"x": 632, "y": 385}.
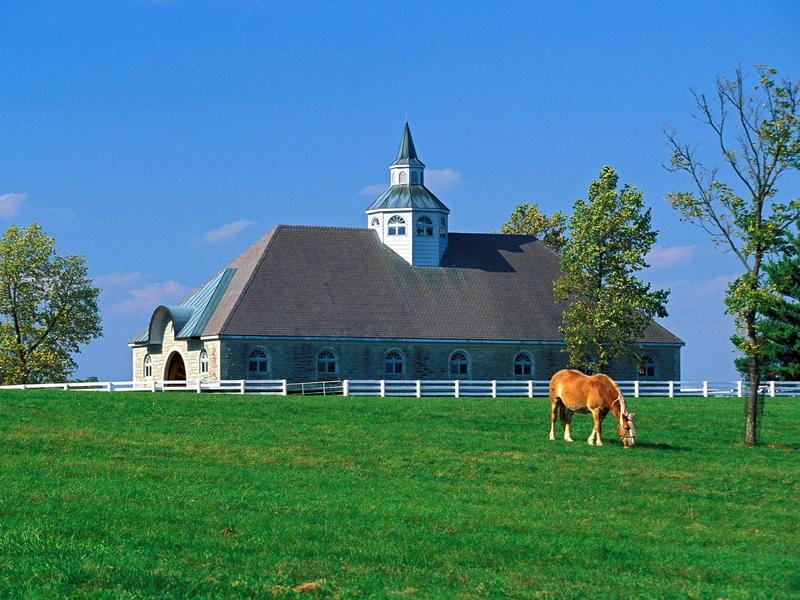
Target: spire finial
{"x": 406, "y": 150}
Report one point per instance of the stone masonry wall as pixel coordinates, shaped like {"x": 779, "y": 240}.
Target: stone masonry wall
{"x": 189, "y": 351}
{"x": 296, "y": 360}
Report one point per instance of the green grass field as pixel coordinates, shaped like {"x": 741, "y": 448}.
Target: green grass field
{"x": 179, "y": 495}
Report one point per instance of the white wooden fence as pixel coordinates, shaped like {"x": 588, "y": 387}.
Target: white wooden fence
{"x": 422, "y": 388}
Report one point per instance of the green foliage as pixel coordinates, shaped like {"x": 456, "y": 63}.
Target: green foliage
{"x": 48, "y": 306}
{"x": 180, "y": 495}
{"x": 610, "y": 235}
{"x": 779, "y": 325}
{"x": 527, "y": 219}
{"x": 759, "y": 144}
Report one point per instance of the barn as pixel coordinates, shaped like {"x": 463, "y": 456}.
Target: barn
{"x": 403, "y": 298}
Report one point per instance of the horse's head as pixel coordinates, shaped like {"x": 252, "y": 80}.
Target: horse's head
{"x": 626, "y": 430}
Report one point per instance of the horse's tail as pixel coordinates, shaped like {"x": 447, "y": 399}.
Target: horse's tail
{"x": 561, "y": 412}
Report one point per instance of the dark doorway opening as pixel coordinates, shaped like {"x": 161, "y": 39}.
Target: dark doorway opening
{"x": 176, "y": 369}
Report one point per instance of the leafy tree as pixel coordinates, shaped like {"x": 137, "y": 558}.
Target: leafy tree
{"x": 759, "y": 139}
{"x": 48, "y": 306}
{"x": 610, "y": 235}
{"x": 779, "y": 324}
{"x": 527, "y": 219}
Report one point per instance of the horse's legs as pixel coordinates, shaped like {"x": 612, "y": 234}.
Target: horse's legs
{"x": 594, "y": 437}
{"x": 553, "y": 413}
{"x": 567, "y": 424}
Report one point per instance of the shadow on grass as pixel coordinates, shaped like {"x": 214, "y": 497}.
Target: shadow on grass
{"x": 655, "y": 446}
{"x": 780, "y": 446}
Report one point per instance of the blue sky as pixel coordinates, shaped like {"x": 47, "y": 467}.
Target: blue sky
{"x": 162, "y": 138}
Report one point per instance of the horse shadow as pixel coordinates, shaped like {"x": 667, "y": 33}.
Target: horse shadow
{"x": 657, "y": 446}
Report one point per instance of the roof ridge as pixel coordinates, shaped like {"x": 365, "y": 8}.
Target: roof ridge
{"x": 337, "y": 227}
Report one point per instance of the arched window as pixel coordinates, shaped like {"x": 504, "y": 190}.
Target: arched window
{"x": 326, "y": 363}
{"x": 148, "y": 366}
{"x": 424, "y": 226}
{"x": 203, "y": 362}
{"x": 523, "y": 365}
{"x": 258, "y": 363}
{"x": 394, "y": 363}
{"x": 397, "y": 225}
{"x": 648, "y": 366}
{"x": 402, "y": 178}
{"x": 459, "y": 364}
{"x": 375, "y": 222}
{"x": 442, "y": 227}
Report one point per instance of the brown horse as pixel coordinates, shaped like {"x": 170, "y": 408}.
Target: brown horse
{"x": 572, "y": 391}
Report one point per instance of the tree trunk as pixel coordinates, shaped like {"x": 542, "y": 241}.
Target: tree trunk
{"x": 754, "y": 375}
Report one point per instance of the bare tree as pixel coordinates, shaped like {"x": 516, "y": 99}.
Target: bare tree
{"x": 758, "y": 137}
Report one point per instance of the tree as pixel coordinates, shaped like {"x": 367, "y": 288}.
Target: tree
{"x": 610, "y": 235}
{"x": 759, "y": 139}
{"x": 779, "y": 324}
{"x": 48, "y": 306}
{"x": 527, "y": 219}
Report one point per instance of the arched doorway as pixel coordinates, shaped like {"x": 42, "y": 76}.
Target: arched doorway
{"x": 176, "y": 369}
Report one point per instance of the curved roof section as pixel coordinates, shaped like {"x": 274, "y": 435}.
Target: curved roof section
{"x": 193, "y": 314}
{"x": 179, "y": 315}
{"x": 408, "y": 196}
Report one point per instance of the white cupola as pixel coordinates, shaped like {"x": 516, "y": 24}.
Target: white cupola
{"x": 408, "y": 218}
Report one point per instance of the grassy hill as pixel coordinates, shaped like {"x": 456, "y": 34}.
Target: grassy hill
{"x": 180, "y": 495}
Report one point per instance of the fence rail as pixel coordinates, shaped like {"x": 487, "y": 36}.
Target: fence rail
{"x": 421, "y": 388}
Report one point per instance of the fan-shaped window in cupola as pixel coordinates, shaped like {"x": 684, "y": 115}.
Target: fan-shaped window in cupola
{"x": 424, "y": 226}
{"x": 397, "y": 225}
{"x": 375, "y": 222}
{"x": 402, "y": 178}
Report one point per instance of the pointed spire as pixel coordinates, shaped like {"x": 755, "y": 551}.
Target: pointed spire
{"x": 407, "y": 153}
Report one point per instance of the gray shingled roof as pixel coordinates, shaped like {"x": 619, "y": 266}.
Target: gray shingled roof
{"x": 343, "y": 282}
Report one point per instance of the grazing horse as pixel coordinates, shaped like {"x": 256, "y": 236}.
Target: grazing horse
{"x": 572, "y": 391}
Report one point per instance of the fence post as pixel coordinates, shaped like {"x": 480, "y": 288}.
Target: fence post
{"x": 636, "y": 389}
{"x": 66, "y": 387}
{"x": 345, "y": 387}
{"x": 772, "y": 389}
{"x": 671, "y": 389}
{"x": 494, "y": 388}
{"x": 530, "y": 388}
{"x": 199, "y": 387}
{"x": 739, "y": 388}
{"x": 153, "y": 385}
{"x": 419, "y": 389}
{"x": 241, "y": 386}
{"x": 457, "y": 388}
{"x": 705, "y": 389}
{"x": 383, "y": 388}
{"x": 110, "y": 386}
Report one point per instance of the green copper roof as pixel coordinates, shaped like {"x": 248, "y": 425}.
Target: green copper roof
{"x": 192, "y": 315}
{"x": 407, "y": 154}
{"x": 408, "y": 196}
